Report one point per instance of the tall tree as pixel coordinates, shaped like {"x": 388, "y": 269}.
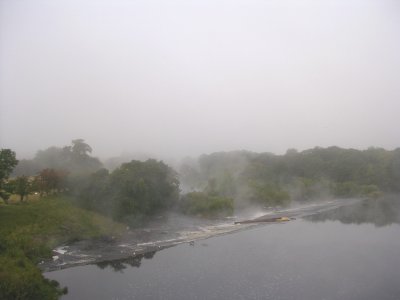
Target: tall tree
{"x": 144, "y": 187}
{"x": 80, "y": 148}
{"x": 7, "y": 164}
{"x": 75, "y": 159}
{"x": 22, "y": 186}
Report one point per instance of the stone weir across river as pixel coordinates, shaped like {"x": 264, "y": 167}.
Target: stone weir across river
{"x": 171, "y": 231}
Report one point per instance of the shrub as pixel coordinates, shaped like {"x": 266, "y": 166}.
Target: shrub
{"x": 202, "y": 204}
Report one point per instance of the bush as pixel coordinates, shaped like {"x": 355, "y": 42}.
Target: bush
{"x": 352, "y": 189}
{"x": 21, "y": 279}
{"x": 269, "y": 194}
{"x": 201, "y": 204}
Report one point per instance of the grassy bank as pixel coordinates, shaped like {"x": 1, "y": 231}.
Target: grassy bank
{"x": 28, "y": 232}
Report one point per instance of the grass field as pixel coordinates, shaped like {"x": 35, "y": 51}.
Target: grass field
{"x": 28, "y": 232}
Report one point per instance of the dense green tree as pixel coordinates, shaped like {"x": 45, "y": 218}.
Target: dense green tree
{"x": 144, "y": 187}
{"x": 134, "y": 189}
{"x": 80, "y": 148}
{"x": 8, "y": 162}
{"x": 7, "y": 190}
{"x": 22, "y": 186}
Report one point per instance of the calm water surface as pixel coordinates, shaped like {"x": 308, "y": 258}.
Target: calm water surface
{"x": 349, "y": 253}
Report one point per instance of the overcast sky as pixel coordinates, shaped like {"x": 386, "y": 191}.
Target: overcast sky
{"x": 178, "y": 78}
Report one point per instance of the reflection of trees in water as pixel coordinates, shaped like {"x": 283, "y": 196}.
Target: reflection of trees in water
{"x": 121, "y": 264}
{"x": 380, "y": 212}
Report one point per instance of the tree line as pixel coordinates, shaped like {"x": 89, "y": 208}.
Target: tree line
{"x": 47, "y": 173}
{"x": 135, "y": 190}
{"x": 208, "y": 186}
{"x": 271, "y": 180}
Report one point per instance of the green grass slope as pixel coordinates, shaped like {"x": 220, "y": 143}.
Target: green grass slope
{"x": 28, "y": 232}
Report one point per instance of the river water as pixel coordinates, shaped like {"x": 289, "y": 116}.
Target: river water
{"x": 348, "y": 252}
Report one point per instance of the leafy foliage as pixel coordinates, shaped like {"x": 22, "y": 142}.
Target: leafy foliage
{"x": 135, "y": 188}
{"x": 202, "y": 204}
{"x": 269, "y": 194}
{"x": 7, "y": 164}
{"x": 22, "y": 186}
{"x": 20, "y": 279}
{"x": 302, "y": 176}
{"x": 80, "y": 148}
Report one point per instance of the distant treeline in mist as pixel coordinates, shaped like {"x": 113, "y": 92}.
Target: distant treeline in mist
{"x": 211, "y": 184}
{"x": 312, "y": 174}
{"x": 74, "y": 158}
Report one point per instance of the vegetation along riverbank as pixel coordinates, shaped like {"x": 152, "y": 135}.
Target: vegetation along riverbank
{"x": 64, "y": 194}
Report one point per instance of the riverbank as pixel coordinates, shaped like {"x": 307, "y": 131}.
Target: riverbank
{"x": 161, "y": 232}
{"x": 51, "y": 234}
{"x": 173, "y": 229}
{"x": 28, "y": 233}
{"x": 342, "y": 253}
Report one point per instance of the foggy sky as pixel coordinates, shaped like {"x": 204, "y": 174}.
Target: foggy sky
{"x": 179, "y": 78}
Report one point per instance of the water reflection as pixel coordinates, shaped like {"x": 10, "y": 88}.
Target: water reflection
{"x": 294, "y": 260}
{"x": 121, "y": 264}
{"x": 380, "y": 212}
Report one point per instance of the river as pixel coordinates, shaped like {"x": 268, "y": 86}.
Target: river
{"x": 346, "y": 252}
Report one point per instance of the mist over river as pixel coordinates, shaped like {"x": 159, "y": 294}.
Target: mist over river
{"x": 348, "y": 252}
